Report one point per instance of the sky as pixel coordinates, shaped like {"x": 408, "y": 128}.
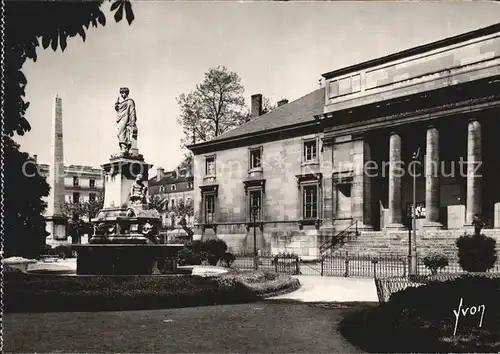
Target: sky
{"x": 279, "y": 49}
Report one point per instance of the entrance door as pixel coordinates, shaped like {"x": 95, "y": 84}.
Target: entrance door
{"x": 343, "y": 201}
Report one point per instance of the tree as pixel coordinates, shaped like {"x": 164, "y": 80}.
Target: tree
{"x": 51, "y": 23}
{"x": 24, "y": 229}
{"x": 75, "y": 212}
{"x": 216, "y": 106}
{"x": 267, "y": 105}
{"x": 27, "y": 25}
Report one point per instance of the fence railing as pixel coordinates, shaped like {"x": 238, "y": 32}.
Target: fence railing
{"x": 344, "y": 264}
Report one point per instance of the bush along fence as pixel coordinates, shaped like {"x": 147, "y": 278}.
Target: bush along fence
{"x": 344, "y": 264}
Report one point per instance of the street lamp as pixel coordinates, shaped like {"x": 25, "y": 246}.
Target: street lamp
{"x": 412, "y": 244}
{"x": 255, "y": 211}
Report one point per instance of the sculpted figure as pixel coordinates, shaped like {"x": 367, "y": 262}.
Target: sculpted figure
{"x": 138, "y": 191}
{"x": 126, "y": 119}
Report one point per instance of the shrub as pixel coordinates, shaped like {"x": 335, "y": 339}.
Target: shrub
{"x": 227, "y": 260}
{"x": 30, "y": 293}
{"x": 208, "y": 252}
{"x": 476, "y": 253}
{"x": 422, "y": 319}
{"x": 435, "y": 261}
{"x": 187, "y": 256}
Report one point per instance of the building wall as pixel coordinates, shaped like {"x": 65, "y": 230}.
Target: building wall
{"x": 281, "y": 162}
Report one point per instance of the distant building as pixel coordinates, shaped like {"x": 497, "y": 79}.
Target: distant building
{"x": 81, "y": 183}
{"x": 172, "y": 187}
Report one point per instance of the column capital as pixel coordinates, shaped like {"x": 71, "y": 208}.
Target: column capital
{"x": 473, "y": 119}
{"x": 395, "y": 132}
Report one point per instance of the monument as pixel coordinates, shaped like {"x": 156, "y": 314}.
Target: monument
{"x": 125, "y": 238}
{"x": 55, "y": 220}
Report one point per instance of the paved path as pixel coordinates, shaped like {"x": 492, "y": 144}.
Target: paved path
{"x": 332, "y": 289}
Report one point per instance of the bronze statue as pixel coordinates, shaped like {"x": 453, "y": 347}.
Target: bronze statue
{"x": 126, "y": 119}
{"x": 138, "y": 192}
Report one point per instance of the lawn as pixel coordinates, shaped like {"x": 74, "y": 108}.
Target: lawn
{"x": 262, "y": 327}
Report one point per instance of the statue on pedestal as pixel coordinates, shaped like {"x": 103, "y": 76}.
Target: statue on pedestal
{"x": 138, "y": 192}
{"x": 126, "y": 119}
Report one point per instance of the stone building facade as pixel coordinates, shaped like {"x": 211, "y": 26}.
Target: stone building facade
{"x": 81, "y": 183}
{"x": 172, "y": 187}
{"x": 348, "y": 155}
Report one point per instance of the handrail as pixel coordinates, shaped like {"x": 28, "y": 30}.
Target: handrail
{"x": 322, "y": 247}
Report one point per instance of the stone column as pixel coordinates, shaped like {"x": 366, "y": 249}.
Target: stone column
{"x": 361, "y": 185}
{"x": 432, "y": 178}
{"x": 474, "y": 171}
{"x": 395, "y": 175}
{"x": 327, "y": 169}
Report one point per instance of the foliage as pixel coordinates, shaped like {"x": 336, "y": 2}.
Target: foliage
{"x": 24, "y": 233}
{"x": 158, "y": 203}
{"x": 227, "y": 260}
{"x": 183, "y": 208}
{"x": 210, "y": 252}
{"x": 435, "y": 261}
{"x": 63, "y": 251}
{"x": 476, "y": 253}
{"x": 213, "y": 108}
{"x": 421, "y": 319}
{"x": 32, "y": 293}
{"x": 187, "y": 162}
{"x": 51, "y": 23}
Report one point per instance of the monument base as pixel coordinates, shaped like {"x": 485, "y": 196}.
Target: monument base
{"x": 56, "y": 226}
{"x": 123, "y": 259}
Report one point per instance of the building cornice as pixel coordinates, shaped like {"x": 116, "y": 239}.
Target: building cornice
{"x": 416, "y": 50}
{"x": 420, "y": 115}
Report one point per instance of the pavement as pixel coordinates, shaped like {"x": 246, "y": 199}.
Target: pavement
{"x": 332, "y": 289}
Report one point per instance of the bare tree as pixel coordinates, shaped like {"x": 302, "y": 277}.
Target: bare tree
{"x": 216, "y": 106}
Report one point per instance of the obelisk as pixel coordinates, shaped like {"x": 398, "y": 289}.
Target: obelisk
{"x": 55, "y": 220}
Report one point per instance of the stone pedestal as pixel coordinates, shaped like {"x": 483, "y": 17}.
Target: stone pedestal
{"x": 120, "y": 174}
{"x": 56, "y": 225}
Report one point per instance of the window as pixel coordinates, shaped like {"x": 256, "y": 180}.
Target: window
{"x": 310, "y": 202}
{"x": 255, "y": 202}
{"x": 76, "y": 197}
{"x": 255, "y": 158}
{"x": 209, "y": 209}
{"x": 172, "y": 203}
{"x": 210, "y": 166}
{"x": 173, "y": 187}
{"x": 92, "y": 183}
{"x": 75, "y": 181}
{"x": 310, "y": 151}
{"x": 162, "y": 189}
{"x": 190, "y": 185}
{"x": 309, "y": 199}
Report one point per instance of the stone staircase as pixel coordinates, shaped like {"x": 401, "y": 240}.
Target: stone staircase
{"x": 377, "y": 242}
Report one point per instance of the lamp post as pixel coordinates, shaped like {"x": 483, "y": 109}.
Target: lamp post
{"x": 255, "y": 211}
{"x": 412, "y": 247}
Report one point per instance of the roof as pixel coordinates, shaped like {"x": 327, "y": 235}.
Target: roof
{"x": 463, "y": 37}
{"x": 169, "y": 178}
{"x": 296, "y": 112}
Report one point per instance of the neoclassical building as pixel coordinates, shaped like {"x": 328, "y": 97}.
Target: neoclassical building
{"x": 348, "y": 155}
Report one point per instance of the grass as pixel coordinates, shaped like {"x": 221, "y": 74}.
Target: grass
{"x": 260, "y": 327}
{"x": 43, "y": 293}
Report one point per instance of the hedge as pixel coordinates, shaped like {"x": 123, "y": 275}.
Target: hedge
{"x": 45, "y": 293}
{"x": 422, "y": 319}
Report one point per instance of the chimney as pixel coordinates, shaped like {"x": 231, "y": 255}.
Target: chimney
{"x": 282, "y": 102}
{"x": 35, "y": 158}
{"x": 256, "y": 105}
{"x": 160, "y": 173}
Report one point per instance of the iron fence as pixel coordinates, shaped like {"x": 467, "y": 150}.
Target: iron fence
{"x": 344, "y": 264}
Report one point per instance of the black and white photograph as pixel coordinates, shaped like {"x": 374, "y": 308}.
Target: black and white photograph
{"x": 250, "y": 176}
